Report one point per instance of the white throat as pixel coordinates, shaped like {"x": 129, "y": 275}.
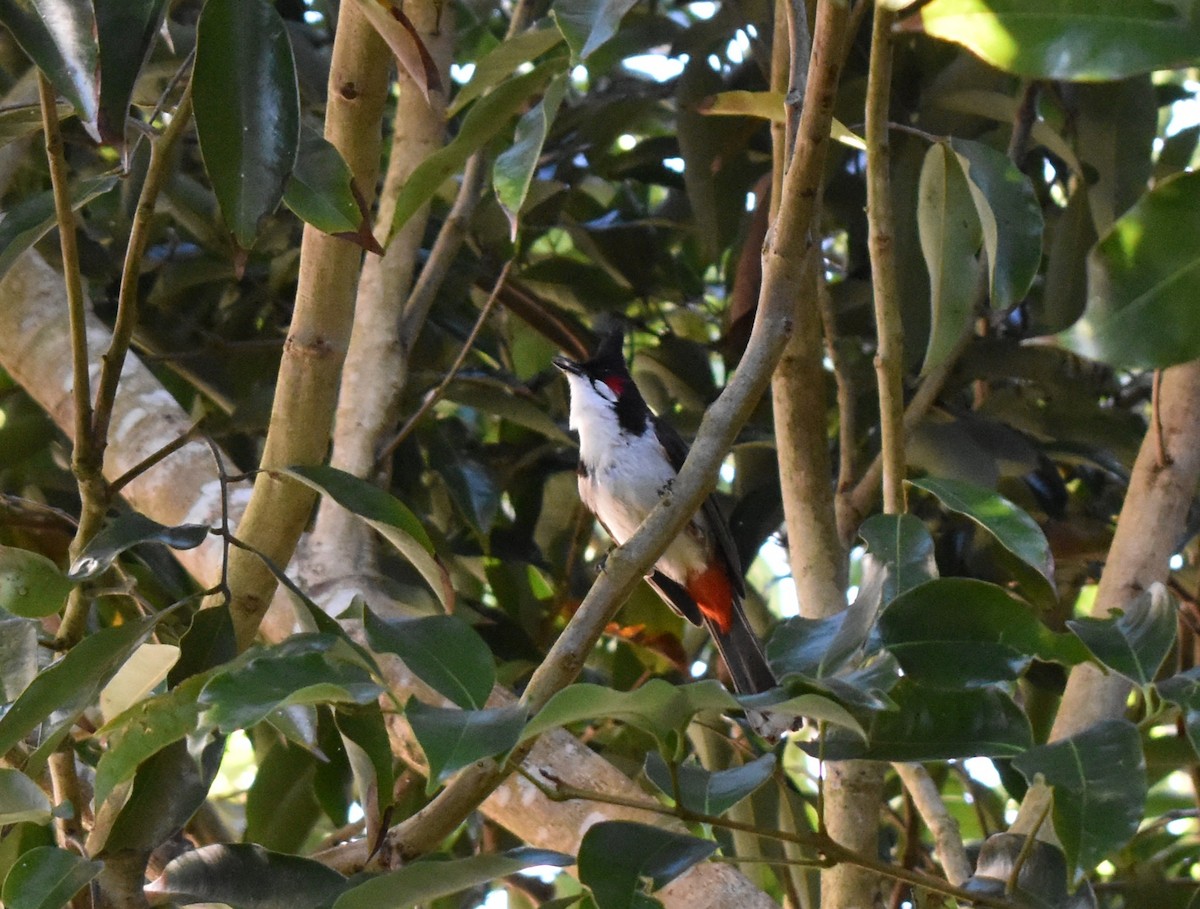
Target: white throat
{"x": 594, "y": 417}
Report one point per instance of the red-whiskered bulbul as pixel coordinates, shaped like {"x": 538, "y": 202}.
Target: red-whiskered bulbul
{"x": 628, "y": 458}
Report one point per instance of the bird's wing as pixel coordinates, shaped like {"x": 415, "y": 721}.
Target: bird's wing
{"x": 675, "y": 596}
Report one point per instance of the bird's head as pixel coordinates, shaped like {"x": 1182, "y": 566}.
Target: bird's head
{"x": 602, "y": 388}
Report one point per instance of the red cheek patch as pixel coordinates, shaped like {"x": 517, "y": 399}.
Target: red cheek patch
{"x": 713, "y": 593}
{"x": 616, "y": 383}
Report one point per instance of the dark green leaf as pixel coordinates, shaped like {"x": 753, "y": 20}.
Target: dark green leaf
{"x": 126, "y": 30}
{"x": 1099, "y": 780}
{"x": 705, "y": 792}
{"x": 281, "y": 806}
{"x": 22, "y": 120}
{"x": 1081, "y": 40}
{"x": 1133, "y": 642}
{"x": 365, "y": 729}
{"x": 513, "y": 171}
{"x": 817, "y": 705}
{"x": 305, "y": 669}
{"x": 950, "y": 235}
{"x": 1010, "y": 216}
{"x": 1041, "y": 879}
{"x": 125, "y": 532}
{"x": 424, "y": 881}
{"x": 143, "y": 730}
{"x": 452, "y": 739}
{"x": 506, "y": 402}
{"x": 1065, "y": 293}
{"x": 586, "y": 24}
{"x": 387, "y": 514}
{"x": 1141, "y": 275}
{"x": 900, "y": 555}
{"x": 60, "y": 38}
{"x": 963, "y": 633}
{"x": 247, "y": 109}
{"x": 207, "y": 643}
{"x": 18, "y": 656}
{"x": 321, "y": 191}
{"x": 615, "y": 856}
{"x": 246, "y": 876}
{"x": 73, "y": 682}
{"x": 30, "y": 584}
{"x": 485, "y": 119}
{"x": 931, "y": 724}
{"x": 443, "y": 651}
{"x": 502, "y": 61}
{"x": 1184, "y": 689}
{"x": 21, "y": 799}
{"x": 47, "y": 877}
{"x": 32, "y": 218}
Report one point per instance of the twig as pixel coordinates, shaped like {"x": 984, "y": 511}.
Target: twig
{"x": 435, "y": 395}
{"x": 64, "y": 782}
{"x": 947, "y": 839}
{"x": 1164, "y": 459}
{"x": 156, "y": 457}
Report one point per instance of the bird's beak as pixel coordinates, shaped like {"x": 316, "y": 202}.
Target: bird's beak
{"x": 567, "y": 365}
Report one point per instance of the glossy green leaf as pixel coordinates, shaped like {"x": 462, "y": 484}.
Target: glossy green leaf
{"x": 387, "y": 515}
{"x": 59, "y": 36}
{"x": 1065, "y": 293}
{"x": 321, "y": 192}
{"x": 1141, "y": 277}
{"x": 18, "y": 656}
{"x": 46, "y": 878}
{"x": 452, "y": 738}
{"x": 962, "y": 633}
{"x": 708, "y": 792}
{"x": 208, "y": 642}
{"x": 21, "y": 800}
{"x": 126, "y": 30}
{"x": 1010, "y": 216}
{"x": 364, "y": 728}
{"x": 508, "y": 403}
{"x": 1012, "y": 528}
{"x": 125, "y": 532}
{"x": 74, "y": 681}
{"x": 444, "y": 652}
{"x": 247, "y": 109}
{"x": 427, "y": 880}
{"x": 143, "y": 730}
{"x": 1071, "y": 40}
{"x": 1134, "y": 641}
{"x": 22, "y": 120}
{"x": 485, "y": 119}
{"x": 397, "y": 30}
{"x": 247, "y": 876}
{"x": 281, "y": 805}
{"x": 658, "y": 707}
{"x": 305, "y": 669}
{"x": 616, "y": 856}
{"x": 816, "y": 706}
{"x": 950, "y": 235}
{"x": 506, "y": 58}
{"x": 899, "y": 554}
{"x": 32, "y": 218}
{"x": 586, "y": 24}
{"x": 1184, "y": 690}
{"x": 30, "y": 584}
{"x": 513, "y": 171}
{"x": 1099, "y": 780}
{"x": 1041, "y": 873}
{"x": 932, "y": 724}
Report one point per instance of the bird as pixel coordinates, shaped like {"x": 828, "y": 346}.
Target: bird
{"x": 628, "y": 459}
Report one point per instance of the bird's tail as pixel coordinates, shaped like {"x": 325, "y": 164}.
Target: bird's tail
{"x": 743, "y": 654}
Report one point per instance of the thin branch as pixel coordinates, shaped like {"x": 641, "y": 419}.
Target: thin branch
{"x": 155, "y": 457}
{"x": 947, "y": 839}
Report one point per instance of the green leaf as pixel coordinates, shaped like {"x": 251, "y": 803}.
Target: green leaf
{"x": 899, "y": 554}
{"x": 615, "y": 856}
{"x": 506, "y": 58}
{"x": 145, "y": 729}
{"x": 387, "y": 515}
{"x": 305, "y": 669}
{"x": 21, "y": 800}
{"x": 1012, "y": 528}
{"x": 1141, "y": 277}
{"x": 22, "y": 120}
{"x": 484, "y": 120}
{"x": 708, "y": 792}
{"x": 247, "y": 109}
{"x": 46, "y": 877}
{"x": 125, "y": 532}
{"x": 452, "y": 739}
{"x": 73, "y": 682}
{"x": 586, "y": 24}
{"x": 1010, "y": 216}
{"x": 505, "y": 401}
{"x": 364, "y": 728}
{"x": 427, "y": 880}
{"x": 32, "y": 218}
{"x": 18, "y": 656}
{"x": 60, "y": 37}
{"x": 932, "y": 724}
{"x": 1134, "y": 641}
{"x": 951, "y": 235}
{"x": 816, "y": 706}
{"x": 126, "y": 30}
{"x": 207, "y": 643}
{"x": 1099, "y": 780}
{"x": 281, "y": 806}
{"x": 442, "y": 650}
{"x": 247, "y": 876}
{"x": 962, "y": 633}
{"x": 30, "y": 584}
{"x": 513, "y": 171}
{"x": 1071, "y": 40}
{"x": 1184, "y": 690}
{"x": 658, "y": 707}
{"x": 321, "y": 192}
